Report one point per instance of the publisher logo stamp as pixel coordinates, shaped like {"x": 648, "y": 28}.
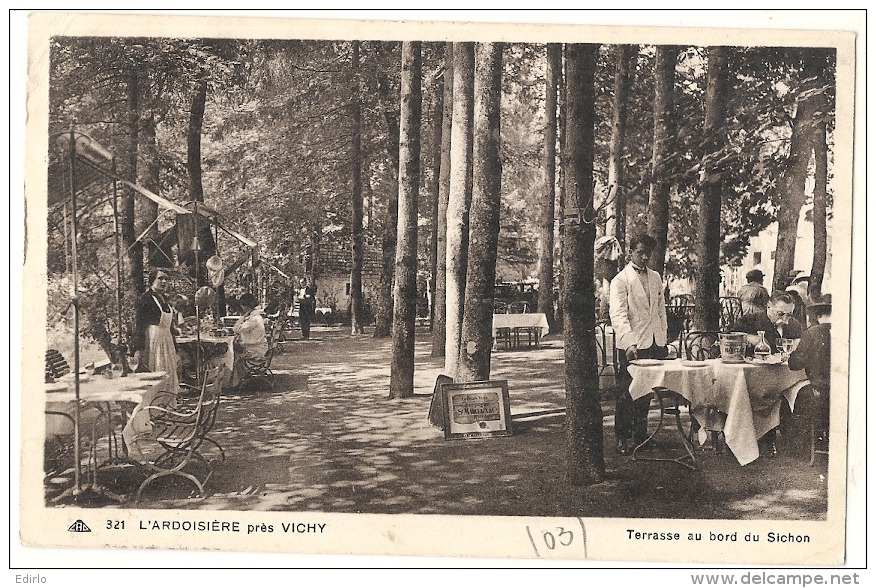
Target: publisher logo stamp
{"x": 79, "y": 527}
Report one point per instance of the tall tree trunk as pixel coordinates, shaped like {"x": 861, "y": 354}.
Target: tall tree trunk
{"x": 585, "y": 458}
{"x": 383, "y": 315}
{"x": 439, "y": 319}
{"x": 196, "y": 123}
{"x": 459, "y": 199}
{"x": 477, "y": 322}
{"x": 356, "y": 307}
{"x": 664, "y": 129}
{"x": 435, "y": 190}
{"x": 616, "y": 212}
{"x": 707, "y": 277}
{"x": 196, "y": 188}
{"x": 401, "y": 383}
{"x": 794, "y": 181}
{"x": 819, "y": 196}
{"x": 150, "y": 178}
{"x": 562, "y": 162}
{"x": 128, "y": 169}
{"x": 549, "y": 193}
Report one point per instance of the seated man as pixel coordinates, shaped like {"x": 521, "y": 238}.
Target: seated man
{"x": 776, "y": 322}
{"x": 813, "y": 355}
{"x": 249, "y": 331}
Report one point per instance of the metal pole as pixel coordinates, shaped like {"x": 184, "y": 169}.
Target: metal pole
{"x": 216, "y": 321}
{"x": 66, "y": 241}
{"x": 122, "y": 350}
{"x": 74, "y": 297}
{"x": 196, "y": 247}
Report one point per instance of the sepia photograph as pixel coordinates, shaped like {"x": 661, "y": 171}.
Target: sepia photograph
{"x": 440, "y": 288}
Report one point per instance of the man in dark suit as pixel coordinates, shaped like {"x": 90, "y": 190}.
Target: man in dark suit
{"x": 813, "y": 355}
{"x": 306, "y": 307}
{"x": 776, "y": 322}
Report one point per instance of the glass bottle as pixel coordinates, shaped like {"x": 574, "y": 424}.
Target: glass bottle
{"x": 762, "y": 350}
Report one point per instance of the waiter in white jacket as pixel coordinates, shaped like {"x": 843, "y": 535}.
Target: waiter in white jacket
{"x": 638, "y": 316}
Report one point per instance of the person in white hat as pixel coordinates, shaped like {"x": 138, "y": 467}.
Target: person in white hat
{"x": 215, "y": 271}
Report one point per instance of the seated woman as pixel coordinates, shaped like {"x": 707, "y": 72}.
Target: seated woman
{"x": 249, "y": 333}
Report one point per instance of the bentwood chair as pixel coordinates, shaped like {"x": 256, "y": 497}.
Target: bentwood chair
{"x": 701, "y": 346}
{"x": 731, "y": 311}
{"x": 606, "y": 354}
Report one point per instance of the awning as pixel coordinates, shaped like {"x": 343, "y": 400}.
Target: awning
{"x": 87, "y": 173}
{"x": 163, "y": 202}
{"x": 213, "y": 216}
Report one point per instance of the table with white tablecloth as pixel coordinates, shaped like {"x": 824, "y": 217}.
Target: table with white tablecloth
{"x": 515, "y": 324}
{"x": 138, "y": 389}
{"x": 748, "y": 393}
{"x": 215, "y": 351}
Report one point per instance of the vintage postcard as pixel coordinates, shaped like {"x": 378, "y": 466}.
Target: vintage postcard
{"x": 578, "y": 293}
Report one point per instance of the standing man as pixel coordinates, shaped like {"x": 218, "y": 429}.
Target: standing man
{"x": 638, "y": 316}
{"x": 753, "y": 295}
{"x": 306, "y": 307}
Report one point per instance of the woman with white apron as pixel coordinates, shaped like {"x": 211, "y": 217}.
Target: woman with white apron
{"x": 155, "y": 351}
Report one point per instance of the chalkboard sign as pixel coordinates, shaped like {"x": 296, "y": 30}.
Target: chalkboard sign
{"x": 476, "y": 409}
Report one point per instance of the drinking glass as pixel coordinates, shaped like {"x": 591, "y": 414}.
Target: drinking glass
{"x": 786, "y": 346}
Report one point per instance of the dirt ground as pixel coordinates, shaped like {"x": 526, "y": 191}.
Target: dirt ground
{"x": 327, "y": 438}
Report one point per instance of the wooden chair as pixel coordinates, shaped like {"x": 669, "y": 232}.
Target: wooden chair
{"x": 700, "y": 346}
{"x": 259, "y": 369}
{"x": 56, "y": 365}
{"x": 181, "y": 432}
{"x": 275, "y": 331}
{"x": 731, "y": 311}
{"x": 504, "y": 336}
{"x": 606, "y": 352}
{"x": 517, "y": 307}
{"x": 681, "y": 306}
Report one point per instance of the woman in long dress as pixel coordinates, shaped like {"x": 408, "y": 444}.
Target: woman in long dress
{"x": 154, "y": 350}
{"x": 154, "y": 345}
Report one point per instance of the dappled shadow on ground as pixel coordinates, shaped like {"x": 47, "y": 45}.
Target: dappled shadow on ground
{"x": 328, "y": 438}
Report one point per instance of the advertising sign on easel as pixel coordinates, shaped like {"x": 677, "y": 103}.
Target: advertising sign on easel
{"x": 476, "y": 409}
